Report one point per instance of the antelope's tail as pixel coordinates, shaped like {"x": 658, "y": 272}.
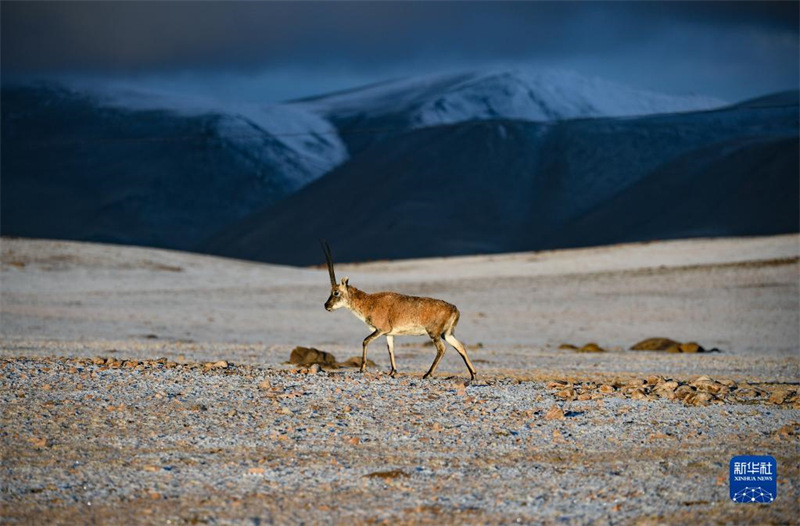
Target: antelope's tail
{"x": 452, "y": 322}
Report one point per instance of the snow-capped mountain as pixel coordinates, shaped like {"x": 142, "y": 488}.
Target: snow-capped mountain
{"x": 301, "y": 144}
{"x": 520, "y": 94}
{"x": 516, "y": 186}
{"x": 447, "y": 164}
{"x": 369, "y": 114}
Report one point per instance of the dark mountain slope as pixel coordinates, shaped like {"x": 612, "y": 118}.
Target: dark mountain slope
{"x": 423, "y": 194}
{"x": 508, "y": 186}
{"x": 74, "y": 168}
{"x": 742, "y": 187}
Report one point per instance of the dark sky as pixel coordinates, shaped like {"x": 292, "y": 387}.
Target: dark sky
{"x": 277, "y": 50}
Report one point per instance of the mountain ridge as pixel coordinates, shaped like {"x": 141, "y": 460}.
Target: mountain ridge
{"x": 514, "y": 93}
{"x": 196, "y": 174}
{"x": 505, "y": 186}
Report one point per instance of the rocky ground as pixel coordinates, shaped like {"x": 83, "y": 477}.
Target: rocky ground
{"x": 122, "y": 402}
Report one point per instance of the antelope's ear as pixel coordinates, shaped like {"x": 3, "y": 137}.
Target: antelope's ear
{"x": 345, "y": 281}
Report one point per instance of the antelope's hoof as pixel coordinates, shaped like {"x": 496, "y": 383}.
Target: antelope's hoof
{"x": 426, "y": 376}
{"x": 393, "y": 373}
{"x": 362, "y": 369}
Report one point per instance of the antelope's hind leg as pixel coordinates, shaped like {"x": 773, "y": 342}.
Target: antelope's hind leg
{"x": 440, "y": 348}
{"x": 451, "y": 339}
{"x": 390, "y": 344}
{"x": 376, "y": 334}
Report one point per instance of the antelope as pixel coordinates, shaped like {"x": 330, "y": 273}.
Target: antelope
{"x": 391, "y": 314}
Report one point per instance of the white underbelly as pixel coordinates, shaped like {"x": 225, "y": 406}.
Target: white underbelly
{"x": 408, "y": 331}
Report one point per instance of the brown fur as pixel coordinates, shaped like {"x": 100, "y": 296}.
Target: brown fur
{"x": 395, "y": 313}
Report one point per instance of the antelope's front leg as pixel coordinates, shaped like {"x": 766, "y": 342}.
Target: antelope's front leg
{"x": 368, "y": 339}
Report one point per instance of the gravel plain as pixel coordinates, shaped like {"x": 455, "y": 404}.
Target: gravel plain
{"x": 146, "y": 386}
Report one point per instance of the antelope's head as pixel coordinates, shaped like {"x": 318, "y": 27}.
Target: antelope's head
{"x": 340, "y": 292}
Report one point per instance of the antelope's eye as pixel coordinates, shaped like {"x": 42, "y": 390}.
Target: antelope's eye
{"x": 336, "y": 293}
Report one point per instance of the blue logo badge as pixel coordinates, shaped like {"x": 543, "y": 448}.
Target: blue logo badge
{"x": 754, "y": 479}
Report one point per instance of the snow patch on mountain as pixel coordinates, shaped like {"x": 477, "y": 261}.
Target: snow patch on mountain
{"x": 305, "y": 145}
{"x": 548, "y": 95}
{"x": 302, "y": 144}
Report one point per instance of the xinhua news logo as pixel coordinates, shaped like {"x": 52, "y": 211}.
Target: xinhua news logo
{"x": 754, "y": 479}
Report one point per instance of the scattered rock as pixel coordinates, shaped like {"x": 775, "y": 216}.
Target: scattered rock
{"x": 307, "y": 356}
{"x": 683, "y": 391}
{"x": 222, "y": 364}
{"x": 355, "y": 361}
{"x": 39, "y": 442}
{"x": 554, "y": 413}
{"x": 461, "y": 388}
{"x": 779, "y": 396}
{"x": 589, "y": 347}
{"x": 790, "y": 430}
{"x": 667, "y": 392}
{"x": 668, "y": 386}
{"x": 670, "y": 346}
{"x": 592, "y": 347}
{"x": 387, "y": 475}
{"x": 566, "y": 394}
{"x": 704, "y": 383}
{"x": 691, "y": 347}
{"x": 654, "y": 344}
{"x": 700, "y": 398}
{"x": 748, "y": 393}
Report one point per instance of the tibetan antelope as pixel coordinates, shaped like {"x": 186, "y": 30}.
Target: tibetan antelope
{"x": 390, "y": 314}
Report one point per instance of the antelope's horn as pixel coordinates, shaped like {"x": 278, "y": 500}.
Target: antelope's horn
{"x": 327, "y": 250}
